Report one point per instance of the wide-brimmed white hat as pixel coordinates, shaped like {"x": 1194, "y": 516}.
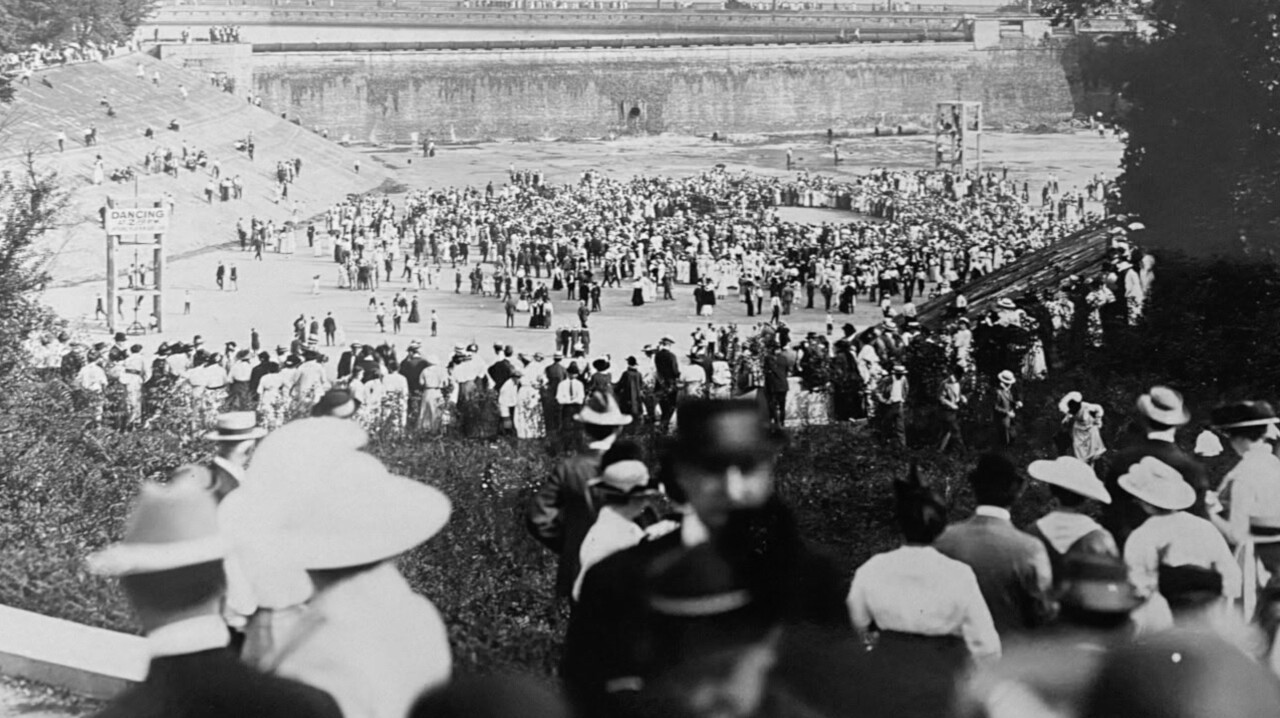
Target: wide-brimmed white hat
{"x": 316, "y": 501}
{"x": 602, "y": 409}
{"x": 1070, "y": 397}
{"x": 1006, "y": 377}
{"x": 1006, "y": 303}
{"x": 1164, "y": 405}
{"x": 1158, "y": 484}
{"x": 172, "y": 525}
{"x": 1072, "y": 474}
{"x": 236, "y": 426}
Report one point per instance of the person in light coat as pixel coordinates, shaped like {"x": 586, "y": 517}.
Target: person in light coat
{"x": 319, "y": 516}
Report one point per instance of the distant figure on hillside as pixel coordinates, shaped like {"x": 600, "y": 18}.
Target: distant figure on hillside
{"x": 155, "y": 77}
{"x": 357, "y": 165}
{"x": 790, "y": 158}
{"x": 182, "y": 90}
{"x": 62, "y": 140}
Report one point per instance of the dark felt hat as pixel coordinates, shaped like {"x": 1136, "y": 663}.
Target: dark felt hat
{"x": 1097, "y": 582}
{"x": 333, "y": 399}
{"x": 724, "y": 432}
{"x": 1242, "y": 414}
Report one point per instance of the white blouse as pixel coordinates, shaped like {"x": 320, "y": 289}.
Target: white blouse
{"x": 915, "y": 589}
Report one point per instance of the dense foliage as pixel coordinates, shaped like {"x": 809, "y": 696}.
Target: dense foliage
{"x": 29, "y": 204}
{"x": 48, "y": 22}
{"x": 1202, "y": 164}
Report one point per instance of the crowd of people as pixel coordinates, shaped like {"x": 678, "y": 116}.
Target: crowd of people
{"x": 267, "y": 585}
{"x": 691, "y": 589}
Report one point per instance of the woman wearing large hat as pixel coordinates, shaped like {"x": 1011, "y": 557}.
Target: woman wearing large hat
{"x": 1072, "y": 484}
{"x": 1082, "y": 427}
{"x": 319, "y": 511}
{"x": 1251, "y": 490}
{"x": 1175, "y": 558}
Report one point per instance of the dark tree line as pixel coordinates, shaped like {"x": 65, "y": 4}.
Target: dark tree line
{"x": 1202, "y": 164}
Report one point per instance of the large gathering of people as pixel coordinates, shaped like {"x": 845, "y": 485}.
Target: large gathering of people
{"x": 266, "y": 580}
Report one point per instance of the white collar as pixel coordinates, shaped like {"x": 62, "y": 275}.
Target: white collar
{"x": 993, "y": 512}
{"x": 692, "y": 531}
{"x": 191, "y": 635}
{"x": 236, "y": 472}
{"x": 1163, "y": 435}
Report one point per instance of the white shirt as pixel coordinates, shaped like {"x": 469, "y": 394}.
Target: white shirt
{"x": 1179, "y": 539}
{"x": 915, "y": 589}
{"x": 571, "y": 391}
{"x": 1255, "y": 489}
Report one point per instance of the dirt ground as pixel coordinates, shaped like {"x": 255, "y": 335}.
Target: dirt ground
{"x": 274, "y": 291}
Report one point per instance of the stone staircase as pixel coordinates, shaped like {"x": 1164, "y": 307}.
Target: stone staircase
{"x": 209, "y": 119}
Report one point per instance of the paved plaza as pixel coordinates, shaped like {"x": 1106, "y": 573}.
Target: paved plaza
{"x": 274, "y": 291}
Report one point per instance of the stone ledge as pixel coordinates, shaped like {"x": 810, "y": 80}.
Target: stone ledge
{"x": 89, "y": 661}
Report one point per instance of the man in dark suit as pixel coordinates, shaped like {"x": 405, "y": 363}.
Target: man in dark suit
{"x": 347, "y": 362}
{"x": 500, "y": 371}
{"x": 170, "y": 567}
{"x": 1012, "y": 567}
{"x": 666, "y": 381}
{"x": 411, "y": 369}
{"x": 611, "y": 647}
{"x": 556, "y": 373}
{"x": 563, "y": 509}
{"x": 777, "y": 370}
{"x": 264, "y": 367}
{"x": 630, "y": 389}
{"x": 1160, "y": 412}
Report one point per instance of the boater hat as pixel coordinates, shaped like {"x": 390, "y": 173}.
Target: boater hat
{"x": 172, "y": 525}
{"x": 1006, "y": 377}
{"x": 236, "y": 426}
{"x": 1006, "y": 303}
{"x": 316, "y": 501}
{"x": 602, "y": 409}
{"x": 1164, "y": 405}
{"x": 1072, "y": 474}
{"x": 1158, "y": 484}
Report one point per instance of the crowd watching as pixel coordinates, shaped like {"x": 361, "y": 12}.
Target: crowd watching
{"x": 692, "y": 591}
{"x": 1147, "y": 587}
{"x": 40, "y": 56}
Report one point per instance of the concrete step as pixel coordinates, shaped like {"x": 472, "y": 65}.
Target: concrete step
{"x": 87, "y": 661}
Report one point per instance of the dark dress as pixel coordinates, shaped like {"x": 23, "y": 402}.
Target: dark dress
{"x": 414, "y": 316}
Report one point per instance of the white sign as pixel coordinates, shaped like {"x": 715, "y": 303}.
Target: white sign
{"x": 137, "y": 220}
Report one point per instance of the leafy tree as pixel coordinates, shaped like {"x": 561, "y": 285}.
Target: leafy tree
{"x": 30, "y": 203}
{"x": 1202, "y": 165}
{"x": 23, "y": 22}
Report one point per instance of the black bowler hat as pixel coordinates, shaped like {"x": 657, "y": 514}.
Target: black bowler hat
{"x": 724, "y": 432}
{"x": 702, "y": 602}
{"x": 333, "y": 399}
{"x": 1242, "y": 414}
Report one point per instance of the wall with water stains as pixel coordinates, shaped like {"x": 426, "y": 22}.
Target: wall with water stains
{"x": 590, "y": 93}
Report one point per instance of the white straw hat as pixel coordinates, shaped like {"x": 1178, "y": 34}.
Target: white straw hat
{"x": 1072, "y": 474}
{"x": 1158, "y": 484}
{"x": 317, "y": 501}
